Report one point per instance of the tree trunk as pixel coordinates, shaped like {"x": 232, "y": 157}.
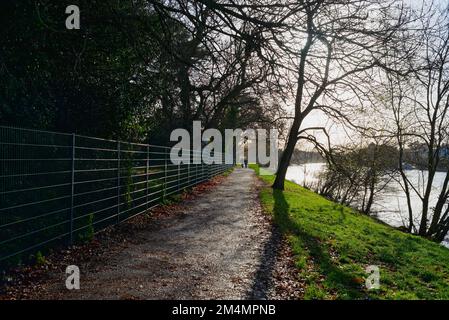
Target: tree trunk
{"x": 286, "y": 155}
{"x": 372, "y": 186}
{"x": 399, "y": 137}
{"x": 443, "y": 227}
{"x": 299, "y": 114}
{"x": 425, "y": 203}
{"x": 442, "y": 200}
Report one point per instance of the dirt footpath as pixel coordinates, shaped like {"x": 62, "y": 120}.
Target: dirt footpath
{"x": 221, "y": 247}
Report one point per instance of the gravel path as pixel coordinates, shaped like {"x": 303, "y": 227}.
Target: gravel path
{"x": 221, "y": 247}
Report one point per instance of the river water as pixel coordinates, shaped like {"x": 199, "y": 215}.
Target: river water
{"x": 390, "y": 205}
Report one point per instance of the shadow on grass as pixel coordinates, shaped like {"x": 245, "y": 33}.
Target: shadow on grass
{"x": 336, "y": 279}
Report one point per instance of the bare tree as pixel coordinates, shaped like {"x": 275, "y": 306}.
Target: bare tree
{"x": 357, "y": 173}
{"x": 419, "y": 102}
{"x": 314, "y": 54}
{"x": 340, "y": 45}
{"x": 218, "y": 64}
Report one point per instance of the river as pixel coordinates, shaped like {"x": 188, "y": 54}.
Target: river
{"x": 390, "y": 205}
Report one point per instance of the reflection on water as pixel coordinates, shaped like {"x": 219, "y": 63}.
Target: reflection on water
{"x": 306, "y": 174}
{"x": 391, "y": 205}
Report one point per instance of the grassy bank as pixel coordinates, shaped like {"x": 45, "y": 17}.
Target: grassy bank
{"x": 333, "y": 245}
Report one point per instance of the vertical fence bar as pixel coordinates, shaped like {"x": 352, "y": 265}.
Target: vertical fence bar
{"x": 72, "y": 188}
{"x": 165, "y": 172}
{"x": 179, "y": 177}
{"x": 147, "y": 173}
{"x": 118, "y": 181}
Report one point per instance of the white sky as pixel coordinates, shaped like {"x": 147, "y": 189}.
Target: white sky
{"x": 340, "y": 135}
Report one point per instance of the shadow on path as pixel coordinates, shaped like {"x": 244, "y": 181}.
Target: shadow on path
{"x": 263, "y": 279}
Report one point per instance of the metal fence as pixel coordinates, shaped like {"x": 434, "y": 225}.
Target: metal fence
{"x": 62, "y": 188}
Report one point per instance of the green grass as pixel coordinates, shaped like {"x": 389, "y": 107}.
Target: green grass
{"x": 333, "y": 245}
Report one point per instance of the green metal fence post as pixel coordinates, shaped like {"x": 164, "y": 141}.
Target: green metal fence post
{"x": 72, "y": 188}
{"x": 179, "y": 177}
{"x": 147, "y": 173}
{"x": 118, "y": 181}
{"x": 165, "y": 172}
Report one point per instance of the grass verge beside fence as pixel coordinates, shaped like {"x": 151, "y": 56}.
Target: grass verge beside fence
{"x": 333, "y": 245}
